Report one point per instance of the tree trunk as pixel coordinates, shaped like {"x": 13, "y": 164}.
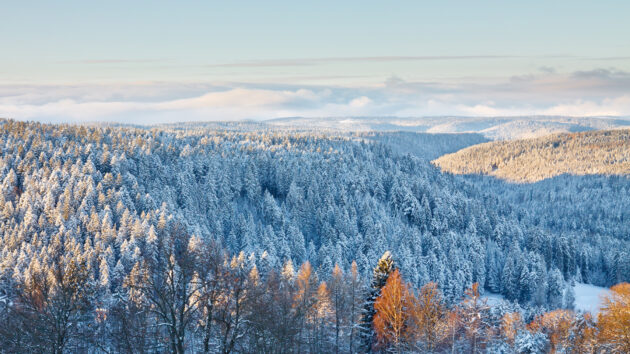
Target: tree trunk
{"x": 206, "y": 339}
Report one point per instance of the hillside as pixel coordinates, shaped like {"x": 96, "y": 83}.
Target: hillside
{"x": 531, "y": 160}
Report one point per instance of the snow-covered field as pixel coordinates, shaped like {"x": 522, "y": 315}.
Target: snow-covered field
{"x": 589, "y": 297}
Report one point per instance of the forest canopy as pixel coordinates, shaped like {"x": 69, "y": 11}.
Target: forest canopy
{"x": 98, "y": 222}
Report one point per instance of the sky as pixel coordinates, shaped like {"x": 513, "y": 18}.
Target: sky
{"x": 164, "y": 61}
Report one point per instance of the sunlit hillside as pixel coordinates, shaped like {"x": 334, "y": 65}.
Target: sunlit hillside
{"x": 531, "y": 160}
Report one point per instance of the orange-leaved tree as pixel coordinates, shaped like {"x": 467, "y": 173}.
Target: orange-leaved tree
{"x": 557, "y": 325}
{"x": 430, "y": 315}
{"x": 583, "y": 334}
{"x": 614, "y": 319}
{"x": 394, "y": 322}
{"x": 511, "y": 324}
{"x": 474, "y": 312}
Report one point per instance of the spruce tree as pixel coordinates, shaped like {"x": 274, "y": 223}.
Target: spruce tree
{"x": 383, "y": 269}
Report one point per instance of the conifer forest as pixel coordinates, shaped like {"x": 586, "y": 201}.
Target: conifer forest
{"x": 252, "y": 238}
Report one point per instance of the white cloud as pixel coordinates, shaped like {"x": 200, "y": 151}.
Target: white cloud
{"x": 240, "y": 97}
{"x": 619, "y": 106}
{"x": 487, "y": 110}
{"x": 360, "y": 102}
{"x": 587, "y": 93}
{"x": 236, "y": 103}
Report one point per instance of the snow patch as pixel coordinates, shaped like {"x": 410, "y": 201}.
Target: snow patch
{"x": 589, "y": 297}
{"x": 493, "y": 299}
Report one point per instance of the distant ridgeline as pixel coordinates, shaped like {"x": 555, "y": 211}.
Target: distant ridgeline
{"x": 100, "y": 193}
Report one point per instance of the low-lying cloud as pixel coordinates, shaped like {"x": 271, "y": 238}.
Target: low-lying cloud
{"x": 585, "y": 93}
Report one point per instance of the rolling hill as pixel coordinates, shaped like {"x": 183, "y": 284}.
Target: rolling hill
{"x": 531, "y": 160}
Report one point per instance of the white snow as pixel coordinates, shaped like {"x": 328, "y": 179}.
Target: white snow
{"x": 589, "y": 297}
{"x": 492, "y": 298}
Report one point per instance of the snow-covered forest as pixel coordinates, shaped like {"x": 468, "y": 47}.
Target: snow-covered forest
{"x": 244, "y": 238}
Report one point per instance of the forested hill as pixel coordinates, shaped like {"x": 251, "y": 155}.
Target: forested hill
{"x": 530, "y": 160}
{"x": 103, "y": 193}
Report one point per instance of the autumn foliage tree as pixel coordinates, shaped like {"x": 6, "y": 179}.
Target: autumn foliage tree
{"x": 473, "y": 313}
{"x": 430, "y": 315}
{"x": 614, "y": 319}
{"x": 323, "y": 318}
{"x": 556, "y": 325}
{"x": 583, "y": 334}
{"x": 394, "y": 321}
{"x": 167, "y": 286}
{"x": 511, "y": 324}
{"x": 339, "y": 300}
{"x": 53, "y": 306}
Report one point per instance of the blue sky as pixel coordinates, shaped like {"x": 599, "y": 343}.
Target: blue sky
{"x": 153, "y": 61}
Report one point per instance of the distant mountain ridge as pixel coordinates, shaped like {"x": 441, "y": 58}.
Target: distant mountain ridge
{"x": 530, "y": 160}
{"x": 493, "y": 128}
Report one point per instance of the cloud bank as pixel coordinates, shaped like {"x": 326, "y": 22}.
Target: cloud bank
{"x": 584, "y": 93}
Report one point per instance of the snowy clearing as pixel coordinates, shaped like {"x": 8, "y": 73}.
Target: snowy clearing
{"x": 589, "y": 297}
{"x": 493, "y": 299}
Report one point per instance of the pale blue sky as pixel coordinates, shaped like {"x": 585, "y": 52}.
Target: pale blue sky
{"x": 397, "y": 57}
